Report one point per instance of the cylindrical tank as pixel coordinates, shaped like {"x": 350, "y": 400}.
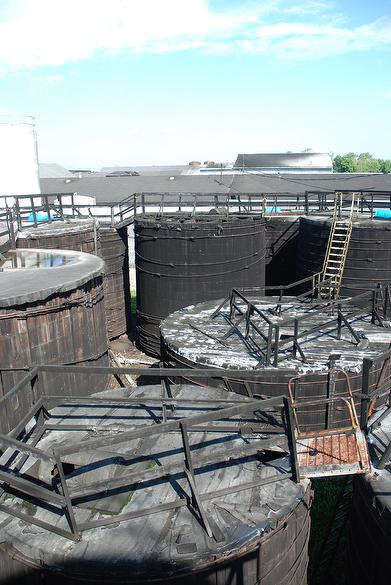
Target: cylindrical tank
{"x": 369, "y": 539}
{"x": 192, "y": 338}
{"x": 368, "y": 261}
{"x": 19, "y": 158}
{"x": 282, "y": 234}
{"x": 261, "y": 531}
{"x": 181, "y": 260}
{"x": 81, "y": 235}
{"x": 51, "y": 312}
{"x": 85, "y": 235}
{"x": 114, "y": 251}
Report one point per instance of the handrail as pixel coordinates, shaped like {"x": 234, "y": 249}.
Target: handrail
{"x": 245, "y": 419}
{"x": 27, "y": 209}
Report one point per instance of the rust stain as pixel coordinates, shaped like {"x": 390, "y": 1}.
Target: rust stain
{"x": 342, "y": 449}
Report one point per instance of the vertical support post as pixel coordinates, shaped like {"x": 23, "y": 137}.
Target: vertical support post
{"x": 68, "y": 502}
{"x": 248, "y": 317}
{"x": 18, "y": 216}
{"x": 365, "y": 390}
{"x": 331, "y": 389}
{"x": 269, "y": 344}
{"x": 10, "y": 225}
{"x": 276, "y": 339}
{"x": 385, "y": 301}
{"x": 73, "y": 204}
{"x": 374, "y": 299}
{"x": 112, "y": 219}
{"x": 47, "y": 207}
{"x": 59, "y": 197}
{"x": 306, "y": 208}
{"x": 143, "y": 202}
{"x": 189, "y": 471}
{"x": 34, "y": 211}
{"x": 291, "y": 440}
{"x": 295, "y": 335}
{"x": 339, "y": 327}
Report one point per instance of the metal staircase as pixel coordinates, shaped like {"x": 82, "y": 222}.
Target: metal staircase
{"x": 337, "y": 247}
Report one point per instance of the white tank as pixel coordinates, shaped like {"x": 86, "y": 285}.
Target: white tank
{"x": 19, "y": 174}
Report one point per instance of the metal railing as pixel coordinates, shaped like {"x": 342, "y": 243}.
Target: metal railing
{"x": 258, "y": 324}
{"x": 237, "y": 417}
{"x": 121, "y": 212}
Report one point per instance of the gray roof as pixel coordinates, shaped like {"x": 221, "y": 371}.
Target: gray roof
{"x": 53, "y": 171}
{"x": 152, "y": 170}
{"x": 117, "y": 188}
{"x": 285, "y": 160}
{"x": 301, "y": 182}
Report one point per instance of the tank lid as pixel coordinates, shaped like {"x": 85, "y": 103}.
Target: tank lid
{"x": 58, "y": 228}
{"x": 191, "y": 333}
{"x": 173, "y": 540}
{"x": 202, "y": 220}
{"x": 46, "y": 272}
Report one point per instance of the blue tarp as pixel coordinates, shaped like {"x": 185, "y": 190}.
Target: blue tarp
{"x": 41, "y": 216}
{"x": 384, "y": 213}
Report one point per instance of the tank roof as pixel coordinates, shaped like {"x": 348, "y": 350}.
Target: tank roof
{"x": 55, "y": 271}
{"x": 58, "y": 228}
{"x": 166, "y": 542}
{"x": 190, "y": 221}
{"x": 192, "y": 333}
{"x": 358, "y": 221}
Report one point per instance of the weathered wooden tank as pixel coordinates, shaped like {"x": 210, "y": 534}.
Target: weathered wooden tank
{"x": 51, "y": 312}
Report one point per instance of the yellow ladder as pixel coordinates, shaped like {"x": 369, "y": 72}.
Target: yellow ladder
{"x": 337, "y": 247}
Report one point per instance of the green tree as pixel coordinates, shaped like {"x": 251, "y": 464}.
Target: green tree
{"x": 345, "y": 163}
{"x": 362, "y": 163}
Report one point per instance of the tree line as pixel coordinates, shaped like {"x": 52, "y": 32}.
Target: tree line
{"x": 360, "y": 163}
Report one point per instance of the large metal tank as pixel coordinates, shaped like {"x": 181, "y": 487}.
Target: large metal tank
{"x": 260, "y": 531}
{"x": 114, "y": 251}
{"x": 51, "y": 312}
{"x": 369, "y": 256}
{"x": 85, "y": 235}
{"x": 181, "y": 260}
{"x": 282, "y": 234}
{"x": 19, "y": 159}
{"x": 369, "y": 540}
{"x": 192, "y": 337}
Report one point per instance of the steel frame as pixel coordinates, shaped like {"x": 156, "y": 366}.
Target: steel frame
{"x": 64, "y": 500}
{"x": 378, "y": 303}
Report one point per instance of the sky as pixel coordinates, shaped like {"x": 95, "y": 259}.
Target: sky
{"x": 134, "y": 82}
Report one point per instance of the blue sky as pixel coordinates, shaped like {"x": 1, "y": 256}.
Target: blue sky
{"x": 168, "y": 81}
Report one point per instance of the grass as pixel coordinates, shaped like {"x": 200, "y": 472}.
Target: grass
{"x": 133, "y": 302}
{"x": 326, "y": 492}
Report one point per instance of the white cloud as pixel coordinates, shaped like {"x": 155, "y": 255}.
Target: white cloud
{"x": 42, "y": 33}
{"x": 294, "y": 41}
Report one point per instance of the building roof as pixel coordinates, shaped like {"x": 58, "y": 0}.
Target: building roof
{"x": 285, "y": 160}
{"x": 151, "y": 170}
{"x": 299, "y": 183}
{"x": 53, "y": 171}
{"x": 117, "y": 188}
